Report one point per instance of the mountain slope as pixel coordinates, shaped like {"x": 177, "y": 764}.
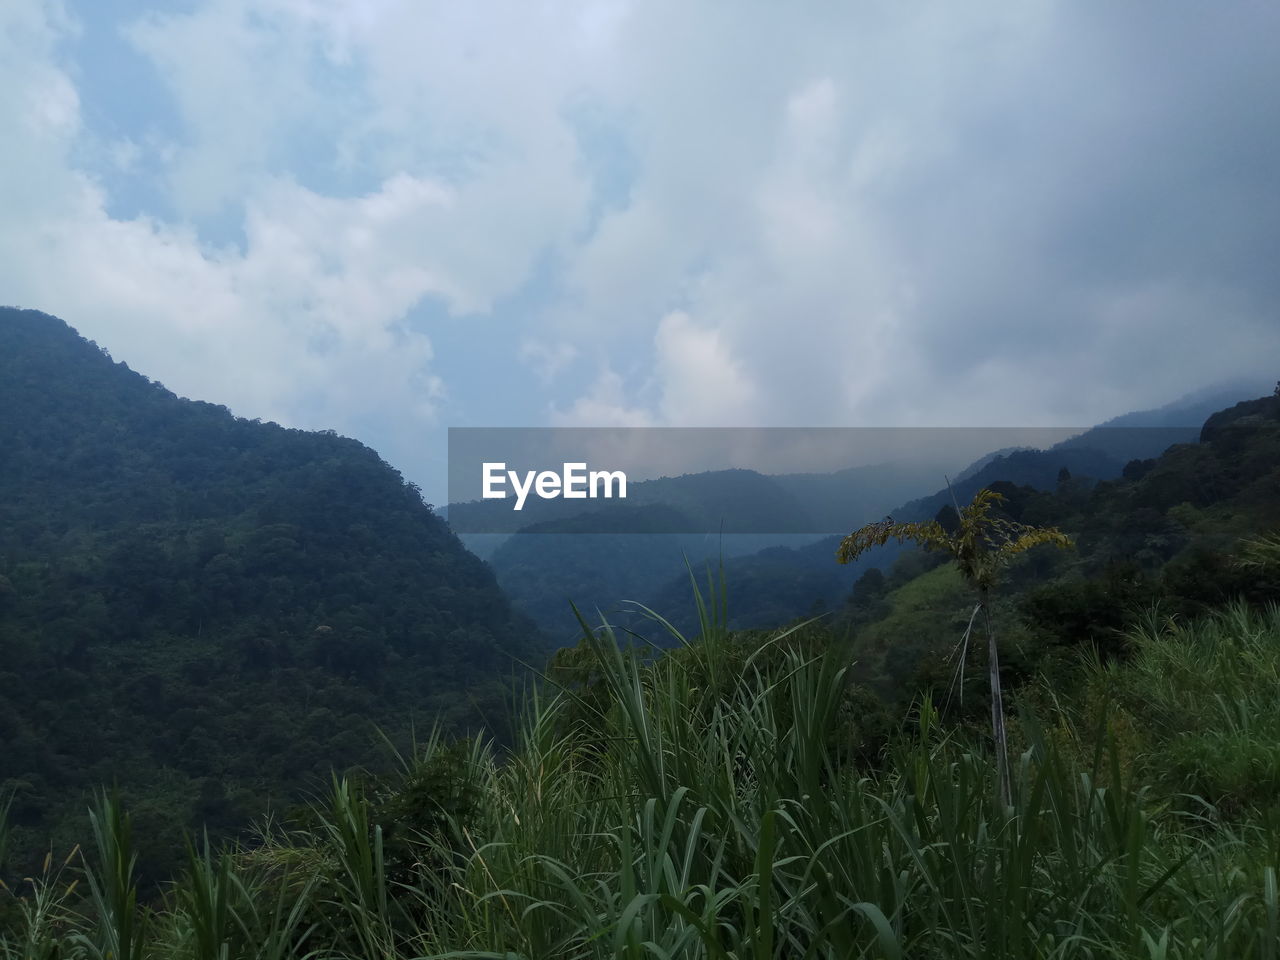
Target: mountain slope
{"x": 209, "y": 609}
{"x": 777, "y": 585}
{"x": 543, "y": 572}
{"x": 1166, "y": 536}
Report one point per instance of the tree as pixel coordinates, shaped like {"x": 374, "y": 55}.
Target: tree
{"x": 981, "y": 545}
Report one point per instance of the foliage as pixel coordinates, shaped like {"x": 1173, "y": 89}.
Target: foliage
{"x": 696, "y": 826}
{"x": 981, "y": 545}
{"x": 1175, "y": 533}
{"x": 208, "y": 610}
{"x": 1203, "y": 694}
{"x": 1261, "y": 553}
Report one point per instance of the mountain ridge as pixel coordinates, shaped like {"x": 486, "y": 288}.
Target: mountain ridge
{"x": 173, "y": 578}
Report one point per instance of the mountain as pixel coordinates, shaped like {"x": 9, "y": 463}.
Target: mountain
{"x": 597, "y": 559}
{"x": 1165, "y": 541}
{"x": 211, "y": 610}
{"x": 774, "y": 578}
{"x": 844, "y": 498}
{"x": 779, "y": 584}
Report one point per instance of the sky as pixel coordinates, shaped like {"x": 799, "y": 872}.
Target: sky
{"x": 391, "y": 218}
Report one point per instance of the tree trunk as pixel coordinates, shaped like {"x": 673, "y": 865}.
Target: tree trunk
{"x": 997, "y": 703}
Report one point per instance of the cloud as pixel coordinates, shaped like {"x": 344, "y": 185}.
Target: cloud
{"x": 547, "y": 359}
{"x": 243, "y": 78}
{"x": 302, "y": 325}
{"x": 606, "y": 404}
{"x": 702, "y": 383}
{"x": 369, "y": 215}
{"x": 932, "y": 215}
{"x": 303, "y": 318}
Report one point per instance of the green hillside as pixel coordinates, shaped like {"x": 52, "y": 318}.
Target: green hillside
{"x": 739, "y": 798}
{"x": 1166, "y": 536}
{"x": 210, "y": 611}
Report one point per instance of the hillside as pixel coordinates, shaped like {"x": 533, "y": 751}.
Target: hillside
{"x": 739, "y": 798}
{"x": 551, "y": 563}
{"x": 782, "y": 583}
{"x": 208, "y": 610}
{"x": 1165, "y": 535}
{"x": 637, "y": 551}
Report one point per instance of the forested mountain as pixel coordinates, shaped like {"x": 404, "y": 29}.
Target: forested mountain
{"x": 551, "y": 564}
{"x": 737, "y": 502}
{"x": 212, "y": 612}
{"x": 772, "y": 578}
{"x": 209, "y": 610}
{"x": 1165, "y": 536}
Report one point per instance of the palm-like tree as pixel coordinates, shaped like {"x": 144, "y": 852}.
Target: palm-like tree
{"x": 981, "y": 546}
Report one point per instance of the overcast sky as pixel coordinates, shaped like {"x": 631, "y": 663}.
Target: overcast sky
{"x": 388, "y": 218}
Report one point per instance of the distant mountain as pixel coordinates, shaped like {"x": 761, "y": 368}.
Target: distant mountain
{"x": 1192, "y": 409}
{"x": 212, "y": 610}
{"x": 1166, "y": 535}
{"x": 1035, "y": 468}
{"x": 596, "y": 559}
{"x": 773, "y": 578}
{"x": 780, "y": 584}
{"x": 1099, "y": 453}
{"x": 982, "y": 461}
{"x": 1144, "y": 434}
{"x": 852, "y": 496}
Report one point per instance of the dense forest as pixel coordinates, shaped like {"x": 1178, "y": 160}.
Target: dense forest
{"x": 210, "y": 611}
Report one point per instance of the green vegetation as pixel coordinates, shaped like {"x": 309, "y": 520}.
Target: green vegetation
{"x": 212, "y": 615}
{"x": 1199, "y": 701}
{"x": 209, "y": 611}
{"x": 715, "y": 807}
{"x": 981, "y": 544}
{"x": 1173, "y": 532}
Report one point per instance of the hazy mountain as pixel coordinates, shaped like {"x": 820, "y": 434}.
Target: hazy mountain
{"x": 779, "y": 584}
{"x": 555, "y": 562}
{"x": 852, "y": 496}
{"x": 774, "y": 578}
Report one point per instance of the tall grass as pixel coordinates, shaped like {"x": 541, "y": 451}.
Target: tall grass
{"x": 39, "y": 916}
{"x": 1204, "y": 696}
{"x": 119, "y": 931}
{"x": 706, "y": 812}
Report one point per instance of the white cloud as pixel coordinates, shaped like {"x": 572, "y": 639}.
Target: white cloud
{"x": 238, "y": 73}
{"x": 548, "y": 360}
{"x": 846, "y": 214}
{"x": 301, "y": 326}
{"x": 305, "y": 322}
{"x": 606, "y": 404}
{"x": 888, "y": 209}
{"x": 702, "y": 383}
{"x": 292, "y": 329}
